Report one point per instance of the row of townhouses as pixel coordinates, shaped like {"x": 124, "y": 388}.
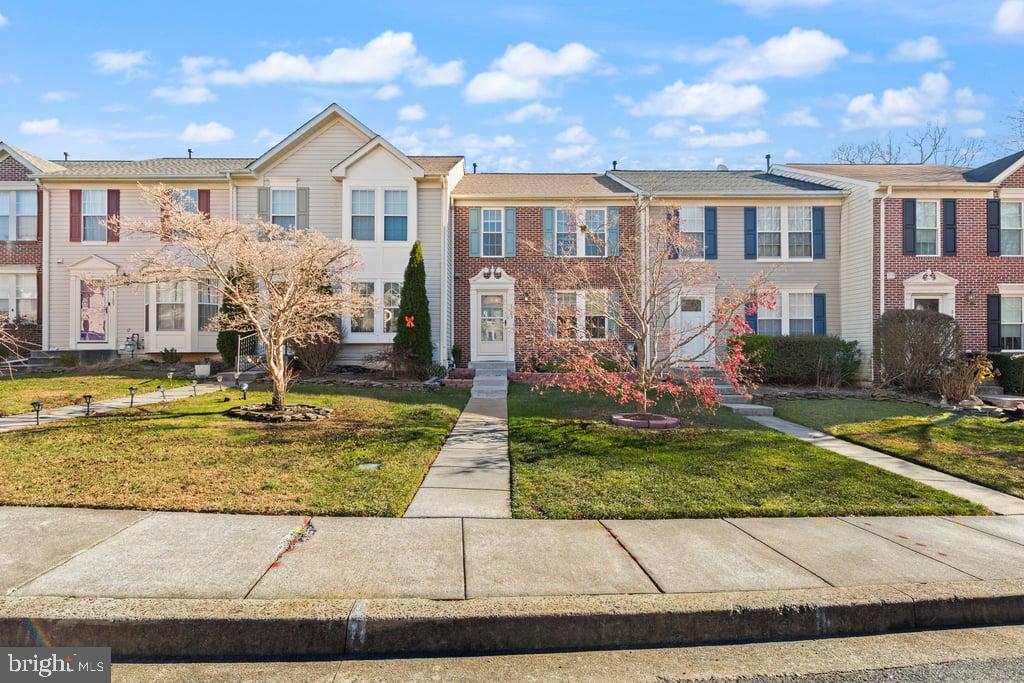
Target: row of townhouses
{"x": 844, "y": 243}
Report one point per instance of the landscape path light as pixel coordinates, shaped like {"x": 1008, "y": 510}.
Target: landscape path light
{"x": 37, "y": 406}
{"x": 88, "y": 404}
{"x": 245, "y": 391}
{"x": 131, "y": 401}
{"x": 194, "y": 383}
{"x": 160, "y": 388}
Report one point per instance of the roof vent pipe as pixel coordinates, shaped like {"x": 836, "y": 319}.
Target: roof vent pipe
{"x": 474, "y": 167}
{"x": 65, "y": 156}
{"x": 615, "y": 164}
{"x": 767, "y": 163}
{"x": 189, "y": 152}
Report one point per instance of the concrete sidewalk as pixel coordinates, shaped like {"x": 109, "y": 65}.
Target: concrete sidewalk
{"x": 25, "y": 420}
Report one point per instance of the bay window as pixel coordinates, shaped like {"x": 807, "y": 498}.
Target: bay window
{"x": 800, "y": 223}
{"x": 94, "y": 215}
{"x": 396, "y": 215}
{"x": 1011, "y": 230}
{"x": 170, "y": 307}
{"x": 207, "y": 304}
{"x": 363, "y": 321}
{"x": 492, "y": 231}
{"x": 282, "y": 208}
{"x": 1012, "y": 323}
{"x": 363, "y": 215}
{"x": 927, "y": 230}
{"x": 769, "y": 232}
{"x": 691, "y": 224}
{"x": 392, "y": 302}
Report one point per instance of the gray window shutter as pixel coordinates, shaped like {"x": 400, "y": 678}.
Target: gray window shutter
{"x": 302, "y": 208}
{"x": 613, "y": 231}
{"x": 263, "y": 203}
{"x": 710, "y": 232}
{"x": 750, "y": 232}
{"x": 909, "y": 227}
{"x": 819, "y": 314}
{"x": 510, "y": 231}
{"x": 550, "y": 312}
{"x": 994, "y": 322}
{"x": 549, "y": 231}
{"x": 614, "y": 309}
{"x": 474, "y": 231}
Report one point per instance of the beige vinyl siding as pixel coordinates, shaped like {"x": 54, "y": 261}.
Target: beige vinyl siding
{"x": 430, "y": 219}
{"x": 64, "y": 254}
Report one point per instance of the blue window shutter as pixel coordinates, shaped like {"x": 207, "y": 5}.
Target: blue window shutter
{"x": 613, "y": 231}
{"x": 710, "y": 232}
{"x": 818, "y": 231}
{"x": 474, "y": 231}
{"x": 994, "y": 320}
{"x": 819, "y": 315}
{"x": 614, "y": 309}
{"x": 752, "y": 317}
{"x": 750, "y": 232}
{"x": 510, "y": 231}
{"x": 909, "y": 227}
{"x": 992, "y": 227}
{"x": 949, "y": 227}
{"x": 550, "y": 311}
{"x": 549, "y": 231}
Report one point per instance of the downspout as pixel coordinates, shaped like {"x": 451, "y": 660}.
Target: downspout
{"x": 45, "y": 322}
{"x": 444, "y": 352}
{"x": 881, "y": 252}
{"x": 645, "y": 219}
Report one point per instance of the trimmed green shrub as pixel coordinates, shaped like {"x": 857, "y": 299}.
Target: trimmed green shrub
{"x": 1011, "y": 371}
{"x": 227, "y": 340}
{"x": 413, "y": 324}
{"x": 170, "y": 356}
{"x": 828, "y": 361}
{"x": 457, "y": 355}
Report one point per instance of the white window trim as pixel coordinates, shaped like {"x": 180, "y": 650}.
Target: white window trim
{"x": 702, "y": 209}
{"x": 938, "y": 227}
{"x": 278, "y": 188}
{"x": 1011, "y": 291}
{"x": 378, "y": 336}
{"x": 158, "y": 302}
{"x": 10, "y": 277}
{"x": 784, "y": 232}
{"x": 501, "y": 218}
{"x": 492, "y": 280}
{"x": 581, "y": 312}
{"x": 106, "y": 212}
{"x": 1020, "y": 230}
{"x": 384, "y": 214}
{"x": 782, "y": 307}
{"x": 939, "y": 286}
{"x": 13, "y": 215}
{"x": 378, "y": 213}
{"x": 581, "y": 241}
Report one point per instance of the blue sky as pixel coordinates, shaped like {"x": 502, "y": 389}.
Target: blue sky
{"x": 518, "y": 86}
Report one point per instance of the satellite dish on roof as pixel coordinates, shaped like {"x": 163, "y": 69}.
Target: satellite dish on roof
{"x": 721, "y": 167}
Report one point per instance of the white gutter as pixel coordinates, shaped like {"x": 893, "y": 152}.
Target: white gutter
{"x": 881, "y": 252}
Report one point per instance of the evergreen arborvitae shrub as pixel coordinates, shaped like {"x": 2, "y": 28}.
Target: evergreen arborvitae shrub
{"x": 413, "y": 324}
{"x": 227, "y": 340}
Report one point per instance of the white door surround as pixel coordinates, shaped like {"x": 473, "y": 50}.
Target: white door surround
{"x": 492, "y": 316}
{"x": 92, "y": 270}
{"x": 931, "y": 284}
{"x": 694, "y": 311}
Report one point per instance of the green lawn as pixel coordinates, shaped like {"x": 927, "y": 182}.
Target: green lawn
{"x": 569, "y": 462}
{"x": 986, "y": 450}
{"x": 187, "y": 455}
{"x": 63, "y": 389}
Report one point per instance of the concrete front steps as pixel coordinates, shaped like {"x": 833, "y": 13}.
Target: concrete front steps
{"x": 491, "y": 380}
{"x": 732, "y": 400}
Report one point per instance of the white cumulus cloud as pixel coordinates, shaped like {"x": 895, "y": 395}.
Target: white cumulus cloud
{"x": 575, "y": 135}
{"x": 208, "y": 133}
{"x": 702, "y": 101}
{"x": 923, "y": 49}
{"x": 734, "y": 139}
{"x": 800, "y": 118}
{"x": 186, "y": 94}
{"x": 797, "y": 54}
{"x": 1009, "y": 18}
{"x": 533, "y": 111}
{"x": 3, "y": 21}
{"x": 522, "y": 72}
{"x": 426, "y": 74}
{"x": 265, "y": 136}
{"x": 911, "y": 106}
{"x": 412, "y": 112}
{"x": 57, "y": 96}
{"x": 126, "y": 62}
{"x": 387, "y": 92}
{"x": 766, "y": 6}
{"x": 40, "y": 127}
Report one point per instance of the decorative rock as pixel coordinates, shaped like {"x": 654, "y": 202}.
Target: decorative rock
{"x": 644, "y": 421}
{"x": 294, "y": 413}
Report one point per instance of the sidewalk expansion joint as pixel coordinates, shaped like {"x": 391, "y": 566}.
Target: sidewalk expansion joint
{"x": 935, "y": 559}
{"x": 292, "y": 539}
{"x": 780, "y": 553}
{"x": 633, "y": 557}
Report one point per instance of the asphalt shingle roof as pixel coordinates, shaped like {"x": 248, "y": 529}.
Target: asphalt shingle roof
{"x": 436, "y": 165}
{"x": 719, "y": 183}
{"x": 156, "y": 168}
{"x": 38, "y": 162}
{"x": 573, "y": 185}
{"x": 891, "y": 174}
{"x": 991, "y": 170}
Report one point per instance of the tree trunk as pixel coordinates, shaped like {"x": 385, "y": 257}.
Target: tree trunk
{"x": 278, "y": 370}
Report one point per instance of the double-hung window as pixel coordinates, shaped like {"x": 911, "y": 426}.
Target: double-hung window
{"x": 565, "y": 315}
{"x": 492, "y": 230}
{"x": 364, "y": 215}
{"x": 6, "y": 222}
{"x": 1012, "y": 323}
{"x": 801, "y": 313}
{"x": 207, "y": 304}
{"x": 396, "y": 215}
{"x": 282, "y": 208}
{"x": 769, "y": 321}
{"x": 595, "y": 315}
{"x": 565, "y": 232}
{"x": 691, "y": 225}
{"x": 769, "y": 232}
{"x": 18, "y": 215}
{"x": 170, "y": 307}
{"x": 19, "y": 298}
{"x": 392, "y": 302}
{"x": 1011, "y": 231}
{"x": 94, "y": 215}
{"x": 800, "y": 223}
{"x": 363, "y": 321}
{"x": 927, "y": 229}
{"x": 596, "y": 236}
{"x": 188, "y": 200}
{"x": 581, "y": 315}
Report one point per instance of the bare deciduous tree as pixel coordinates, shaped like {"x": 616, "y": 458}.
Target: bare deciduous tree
{"x": 289, "y": 304}
{"x": 932, "y": 144}
{"x": 611, "y": 325}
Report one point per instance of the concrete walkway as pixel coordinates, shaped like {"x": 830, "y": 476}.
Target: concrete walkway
{"x": 24, "y": 420}
{"x": 136, "y": 554}
{"x": 996, "y": 501}
{"x": 471, "y": 476}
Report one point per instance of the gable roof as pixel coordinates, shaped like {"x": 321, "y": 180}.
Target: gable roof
{"x": 890, "y": 174}
{"x": 995, "y": 171}
{"x": 437, "y": 165}
{"x": 720, "y": 183}
{"x": 330, "y": 112}
{"x": 341, "y": 168}
{"x": 165, "y": 167}
{"x": 533, "y": 185}
{"x": 30, "y": 161}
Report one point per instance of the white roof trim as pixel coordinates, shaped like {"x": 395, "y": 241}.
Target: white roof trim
{"x": 341, "y": 169}
{"x": 796, "y": 173}
{"x": 494, "y": 276}
{"x": 1011, "y": 289}
{"x": 930, "y": 278}
{"x": 13, "y": 153}
{"x": 333, "y": 110}
{"x": 1013, "y": 168}
{"x": 92, "y": 262}
{"x": 629, "y": 186}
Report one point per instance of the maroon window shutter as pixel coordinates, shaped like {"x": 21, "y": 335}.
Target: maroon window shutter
{"x": 76, "y": 215}
{"x": 39, "y": 215}
{"x": 39, "y": 297}
{"x": 113, "y": 214}
{"x": 204, "y": 202}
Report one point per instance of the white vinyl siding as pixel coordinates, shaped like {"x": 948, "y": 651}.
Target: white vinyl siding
{"x": 927, "y": 229}
{"x": 1010, "y": 229}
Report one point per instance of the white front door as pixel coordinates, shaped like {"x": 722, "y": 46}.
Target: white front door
{"x": 93, "y": 315}
{"x": 491, "y": 333}
{"x": 692, "y": 318}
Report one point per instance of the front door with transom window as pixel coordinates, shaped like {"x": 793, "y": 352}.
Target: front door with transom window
{"x": 491, "y": 332}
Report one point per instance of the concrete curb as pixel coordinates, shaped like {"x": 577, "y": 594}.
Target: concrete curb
{"x": 256, "y": 629}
